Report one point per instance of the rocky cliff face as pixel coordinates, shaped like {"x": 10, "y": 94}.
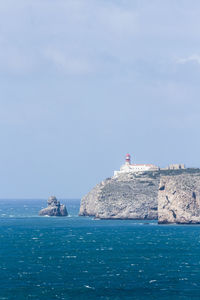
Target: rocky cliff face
{"x": 136, "y": 196}
{"x": 179, "y": 199}
{"x": 54, "y": 208}
{"x": 129, "y": 196}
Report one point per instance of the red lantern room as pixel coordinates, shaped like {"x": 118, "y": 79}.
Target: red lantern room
{"x": 128, "y": 159}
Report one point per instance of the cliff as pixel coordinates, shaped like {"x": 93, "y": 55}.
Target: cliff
{"x": 128, "y": 196}
{"x": 179, "y": 199}
{"x": 172, "y": 196}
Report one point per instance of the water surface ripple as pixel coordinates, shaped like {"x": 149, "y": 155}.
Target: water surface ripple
{"x": 81, "y": 258}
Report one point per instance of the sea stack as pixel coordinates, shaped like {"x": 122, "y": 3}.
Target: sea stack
{"x": 54, "y": 208}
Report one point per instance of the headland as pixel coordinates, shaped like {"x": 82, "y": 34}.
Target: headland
{"x": 136, "y": 192}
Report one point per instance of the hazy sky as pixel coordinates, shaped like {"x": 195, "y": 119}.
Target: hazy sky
{"x": 83, "y": 82}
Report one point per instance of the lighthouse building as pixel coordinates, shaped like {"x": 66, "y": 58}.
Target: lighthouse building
{"x": 130, "y": 168}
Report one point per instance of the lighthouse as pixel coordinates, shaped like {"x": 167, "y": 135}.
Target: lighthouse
{"x": 133, "y": 168}
{"x": 128, "y": 159}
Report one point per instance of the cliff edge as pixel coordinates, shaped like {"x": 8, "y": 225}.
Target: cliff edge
{"x": 127, "y": 196}
{"x": 171, "y": 196}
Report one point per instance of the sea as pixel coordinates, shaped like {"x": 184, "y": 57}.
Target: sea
{"x": 49, "y": 258}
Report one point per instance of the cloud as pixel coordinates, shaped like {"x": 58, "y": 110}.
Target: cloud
{"x": 72, "y": 35}
{"x": 104, "y": 37}
{"x": 195, "y": 58}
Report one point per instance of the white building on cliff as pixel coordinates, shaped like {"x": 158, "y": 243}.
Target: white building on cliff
{"x": 130, "y": 168}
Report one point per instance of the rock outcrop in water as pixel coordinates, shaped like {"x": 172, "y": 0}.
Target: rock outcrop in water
{"x": 128, "y": 196}
{"x": 179, "y": 199}
{"x": 54, "y": 208}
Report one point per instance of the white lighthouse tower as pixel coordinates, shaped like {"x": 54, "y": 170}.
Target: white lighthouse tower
{"x": 128, "y": 159}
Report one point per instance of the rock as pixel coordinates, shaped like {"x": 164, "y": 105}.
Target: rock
{"x": 128, "y": 196}
{"x": 135, "y": 196}
{"x": 54, "y": 208}
{"x": 179, "y": 199}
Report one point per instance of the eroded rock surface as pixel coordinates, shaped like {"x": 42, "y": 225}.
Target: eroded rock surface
{"x": 128, "y": 196}
{"x": 54, "y": 208}
{"x": 179, "y": 199}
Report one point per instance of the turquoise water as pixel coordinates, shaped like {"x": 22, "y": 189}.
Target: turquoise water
{"x": 81, "y": 258}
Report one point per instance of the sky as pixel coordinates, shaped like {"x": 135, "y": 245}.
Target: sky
{"x": 83, "y": 82}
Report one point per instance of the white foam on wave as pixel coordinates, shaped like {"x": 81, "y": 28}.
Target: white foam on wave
{"x": 153, "y": 280}
{"x": 71, "y": 256}
{"x": 89, "y": 287}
